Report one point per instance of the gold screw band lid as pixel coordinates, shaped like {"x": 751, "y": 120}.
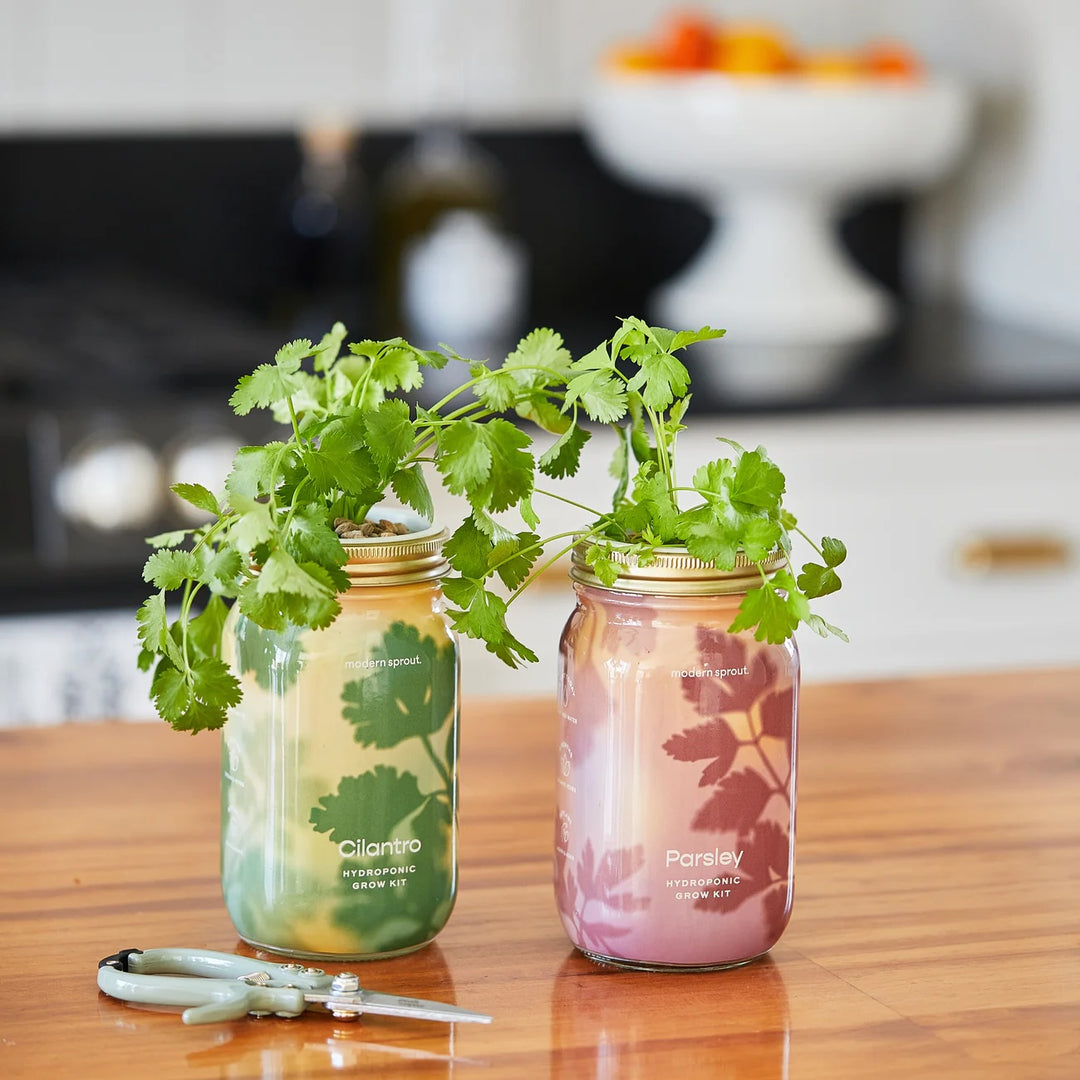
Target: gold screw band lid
{"x": 397, "y": 560}
{"x": 673, "y": 571}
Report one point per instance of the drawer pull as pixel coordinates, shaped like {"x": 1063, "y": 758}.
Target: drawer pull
{"x": 1013, "y": 554}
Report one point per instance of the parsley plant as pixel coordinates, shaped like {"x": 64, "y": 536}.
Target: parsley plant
{"x": 636, "y": 382}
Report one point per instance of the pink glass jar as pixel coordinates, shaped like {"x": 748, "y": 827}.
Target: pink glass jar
{"x": 675, "y": 797}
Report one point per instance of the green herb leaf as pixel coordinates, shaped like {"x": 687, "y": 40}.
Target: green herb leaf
{"x": 153, "y": 623}
{"x": 660, "y": 378}
{"x": 464, "y": 456}
{"x": 329, "y": 347}
{"x": 467, "y": 550}
{"x": 171, "y": 693}
{"x": 171, "y": 539}
{"x": 602, "y": 396}
{"x": 600, "y": 558}
{"x": 489, "y": 463}
{"x": 410, "y": 486}
{"x": 563, "y": 457}
{"x": 513, "y": 559}
{"x": 757, "y": 481}
{"x": 766, "y": 611}
{"x": 214, "y": 684}
{"x": 254, "y": 473}
{"x": 269, "y": 383}
{"x": 199, "y": 497}
{"x": 204, "y": 630}
{"x": 833, "y": 551}
{"x": 252, "y": 528}
{"x": 282, "y": 574}
{"x": 482, "y": 615}
{"x": 816, "y": 580}
{"x": 343, "y": 460}
{"x": 170, "y": 569}
{"x": 388, "y": 433}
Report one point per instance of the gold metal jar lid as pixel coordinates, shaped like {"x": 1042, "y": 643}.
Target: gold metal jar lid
{"x": 674, "y": 572}
{"x": 397, "y": 560}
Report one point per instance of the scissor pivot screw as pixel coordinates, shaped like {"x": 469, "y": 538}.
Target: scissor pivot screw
{"x": 345, "y": 983}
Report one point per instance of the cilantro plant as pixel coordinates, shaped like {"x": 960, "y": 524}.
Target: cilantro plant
{"x": 354, "y": 440}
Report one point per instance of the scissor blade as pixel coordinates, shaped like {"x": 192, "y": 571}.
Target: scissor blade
{"x": 369, "y": 1001}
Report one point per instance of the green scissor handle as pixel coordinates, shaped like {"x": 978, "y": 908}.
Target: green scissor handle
{"x": 212, "y": 999}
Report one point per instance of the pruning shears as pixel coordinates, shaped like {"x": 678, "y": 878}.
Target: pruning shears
{"x": 223, "y": 986}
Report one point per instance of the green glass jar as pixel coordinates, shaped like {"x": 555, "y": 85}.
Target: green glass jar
{"x": 339, "y": 766}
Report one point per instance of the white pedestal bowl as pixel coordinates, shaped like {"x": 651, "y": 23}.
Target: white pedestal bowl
{"x": 774, "y": 160}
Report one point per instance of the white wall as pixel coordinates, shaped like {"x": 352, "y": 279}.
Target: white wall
{"x": 1003, "y": 235}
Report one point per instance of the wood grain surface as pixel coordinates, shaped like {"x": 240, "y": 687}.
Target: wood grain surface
{"x": 936, "y": 930}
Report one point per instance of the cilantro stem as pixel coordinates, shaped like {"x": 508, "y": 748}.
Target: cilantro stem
{"x": 295, "y": 421}
{"x": 457, "y": 392}
{"x": 570, "y": 502}
{"x": 191, "y": 590}
{"x": 661, "y": 449}
{"x": 817, "y": 550}
{"x": 578, "y": 536}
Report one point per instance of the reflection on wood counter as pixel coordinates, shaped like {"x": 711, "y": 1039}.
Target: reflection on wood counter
{"x": 936, "y": 929}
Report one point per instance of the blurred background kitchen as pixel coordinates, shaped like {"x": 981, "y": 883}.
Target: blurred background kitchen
{"x": 186, "y": 184}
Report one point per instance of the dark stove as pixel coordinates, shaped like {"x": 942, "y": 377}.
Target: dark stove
{"x": 108, "y": 385}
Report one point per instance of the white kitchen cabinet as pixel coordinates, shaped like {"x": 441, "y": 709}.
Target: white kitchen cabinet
{"x": 909, "y": 492}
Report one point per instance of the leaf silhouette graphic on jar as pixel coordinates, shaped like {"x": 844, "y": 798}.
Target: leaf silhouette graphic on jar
{"x": 718, "y": 651}
{"x": 764, "y": 869}
{"x": 597, "y": 886}
{"x": 392, "y": 825}
{"x": 739, "y": 691}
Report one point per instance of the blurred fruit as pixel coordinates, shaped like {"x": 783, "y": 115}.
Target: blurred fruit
{"x": 753, "y": 49}
{"x": 840, "y": 66}
{"x": 890, "y": 59}
{"x": 632, "y": 57}
{"x": 687, "y": 42}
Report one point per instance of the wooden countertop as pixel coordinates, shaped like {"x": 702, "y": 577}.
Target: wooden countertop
{"x": 936, "y": 930}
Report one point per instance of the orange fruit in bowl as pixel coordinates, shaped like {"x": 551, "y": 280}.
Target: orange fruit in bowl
{"x": 686, "y": 42}
{"x": 837, "y": 66}
{"x": 891, "y": 59}
{"x": 633, "y": 57}
{"x": 753, "y": 49}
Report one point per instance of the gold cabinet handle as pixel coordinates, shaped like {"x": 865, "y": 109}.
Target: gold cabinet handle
{"x": 1015, "y": 553}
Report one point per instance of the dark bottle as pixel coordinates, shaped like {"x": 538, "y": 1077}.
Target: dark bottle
{"x": 449, "y": 270}
{"x": 327, "y": 272}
